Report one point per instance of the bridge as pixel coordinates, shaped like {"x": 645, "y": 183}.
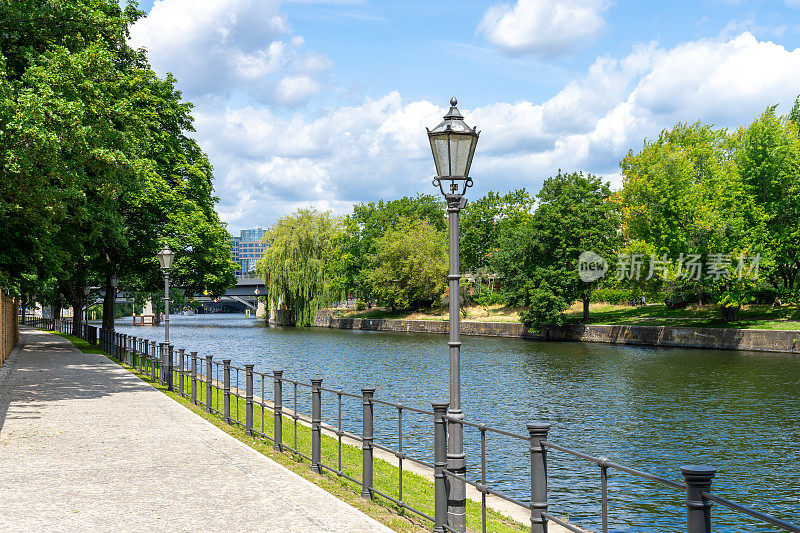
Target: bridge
{"x": 246, "y": 292}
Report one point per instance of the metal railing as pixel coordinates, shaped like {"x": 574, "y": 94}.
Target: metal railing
{"x": 209, "y": 383}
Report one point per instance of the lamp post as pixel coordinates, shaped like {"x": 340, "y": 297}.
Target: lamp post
{"x": 114, "y": 285}
{"x": 453, "y": 145}
{"x": 86, "y": 291}
{"x": 165, "y": 257}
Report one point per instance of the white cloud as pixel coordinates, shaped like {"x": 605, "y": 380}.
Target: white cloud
{"x": 216, "y": 47}
{"x": 268, "y": 165}
{"x": 543, "y": 27}
{"x": 270, "y": 161}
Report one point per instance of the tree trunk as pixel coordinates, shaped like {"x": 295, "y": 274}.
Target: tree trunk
{"x": 108, "y": 305}
{"x": 586, "y": 309}
{"x": 75, "y": 299}
{"x": 77, "y": 315}
{"x": 730, "y": 314}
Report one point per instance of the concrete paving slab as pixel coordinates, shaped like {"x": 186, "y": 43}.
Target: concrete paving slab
{"x": 87, "y": 446}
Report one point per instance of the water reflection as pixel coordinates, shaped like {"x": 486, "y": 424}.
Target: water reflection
{"x": 649, "y": 408}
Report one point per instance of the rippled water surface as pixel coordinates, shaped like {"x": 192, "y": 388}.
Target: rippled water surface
{"x": 649, "y": 408}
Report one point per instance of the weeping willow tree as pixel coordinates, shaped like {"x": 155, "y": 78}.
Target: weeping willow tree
{"x": 296, "y": 264}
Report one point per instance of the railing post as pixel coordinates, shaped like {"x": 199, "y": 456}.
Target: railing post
{"x": 181, "y": 371}
{"x": 366, "y": 442}
{"x": 537, "y": 433}
{"x": 440, "y": 482}
{"x": 277, "y": 404}
{"x": 698, "y": 509}
{"x": 170, "y": 367}
{"x": 193, "y": 355}
{"x": 153, "y": 360}
{"x": 125, "y": 352}
{"x": 227, "y": 389}
{"x": 316, "y": 425}
{"x": 134, "y": 345}
{"x": 209, "y": 373}
{"x": 248, "y": 399}
{"x": 162, "y": 355}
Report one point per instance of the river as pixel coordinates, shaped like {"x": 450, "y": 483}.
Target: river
{"x": 649, "y": 408}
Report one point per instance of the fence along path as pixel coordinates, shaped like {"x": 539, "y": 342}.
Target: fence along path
{"x": 159, "y": 361}
{"x": 110, "y": 452}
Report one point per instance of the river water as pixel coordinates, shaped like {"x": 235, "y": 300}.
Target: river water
{"x": 653, "y": 409}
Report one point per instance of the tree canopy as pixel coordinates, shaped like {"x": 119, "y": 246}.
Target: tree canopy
{"x": 296, "y": 265}
{"x": 539, "y": 257}
{"x": 98, "y": 167}
{"x": 409, "y": 266}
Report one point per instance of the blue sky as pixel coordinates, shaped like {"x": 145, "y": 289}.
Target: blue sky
{"x": 324, "y": 102}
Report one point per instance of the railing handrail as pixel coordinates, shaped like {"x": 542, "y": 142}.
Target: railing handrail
{"x": 157, "y": 360}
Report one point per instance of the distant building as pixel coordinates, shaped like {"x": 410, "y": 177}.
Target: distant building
{"x": 247, "y": 250}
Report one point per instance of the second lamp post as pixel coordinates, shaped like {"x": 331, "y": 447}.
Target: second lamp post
{"x": 114, "y": 285}
{"x": 165, "y": 257}
{"x": 453, "y": 145}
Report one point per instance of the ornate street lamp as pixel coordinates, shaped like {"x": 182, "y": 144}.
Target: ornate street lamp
{"x": 165, "y": 258}
{"x": 114, "y": 285}
{"x": 453, "y": 145}
{"x": 85, "y": 328}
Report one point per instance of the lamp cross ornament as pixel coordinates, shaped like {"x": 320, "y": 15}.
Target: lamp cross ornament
{"x": 453, "y": 145}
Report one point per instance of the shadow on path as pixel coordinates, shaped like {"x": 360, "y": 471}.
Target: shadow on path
{"x": 47, "y": 368}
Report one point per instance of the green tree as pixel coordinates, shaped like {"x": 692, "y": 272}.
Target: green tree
{"x": 99, "y": 145}
{"x": 484, "y": 220}
{"x": 539, "y": 257}
{"x": 683, "y": 196}
{"x": 296, "y": 265}
{"x": 409, "y": 267}
{"x": 767, "y": 157}
{"x": 368, "y": 223}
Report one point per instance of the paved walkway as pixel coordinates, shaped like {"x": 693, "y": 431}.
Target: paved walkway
{"x": 87, "y": 446}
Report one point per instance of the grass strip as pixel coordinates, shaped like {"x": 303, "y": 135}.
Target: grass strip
{"x": 417, "y": 491}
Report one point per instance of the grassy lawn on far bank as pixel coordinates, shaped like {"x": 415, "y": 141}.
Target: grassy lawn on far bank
{"x": 786, "y": 317}
{"x": 417, "y": 491}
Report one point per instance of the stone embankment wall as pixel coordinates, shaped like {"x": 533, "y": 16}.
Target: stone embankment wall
{"x": 686, "y": 337}
{"x": 9, "y": 329}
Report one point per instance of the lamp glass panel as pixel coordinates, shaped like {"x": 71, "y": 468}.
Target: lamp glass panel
{"x": 459, "y": 152}
{"x": 165, "y": 258}
{"x": 440, "y": 154}
{"x": 473, "y": 144}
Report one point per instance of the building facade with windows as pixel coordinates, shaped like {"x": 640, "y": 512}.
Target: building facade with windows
{"x": 247, "y": 249}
